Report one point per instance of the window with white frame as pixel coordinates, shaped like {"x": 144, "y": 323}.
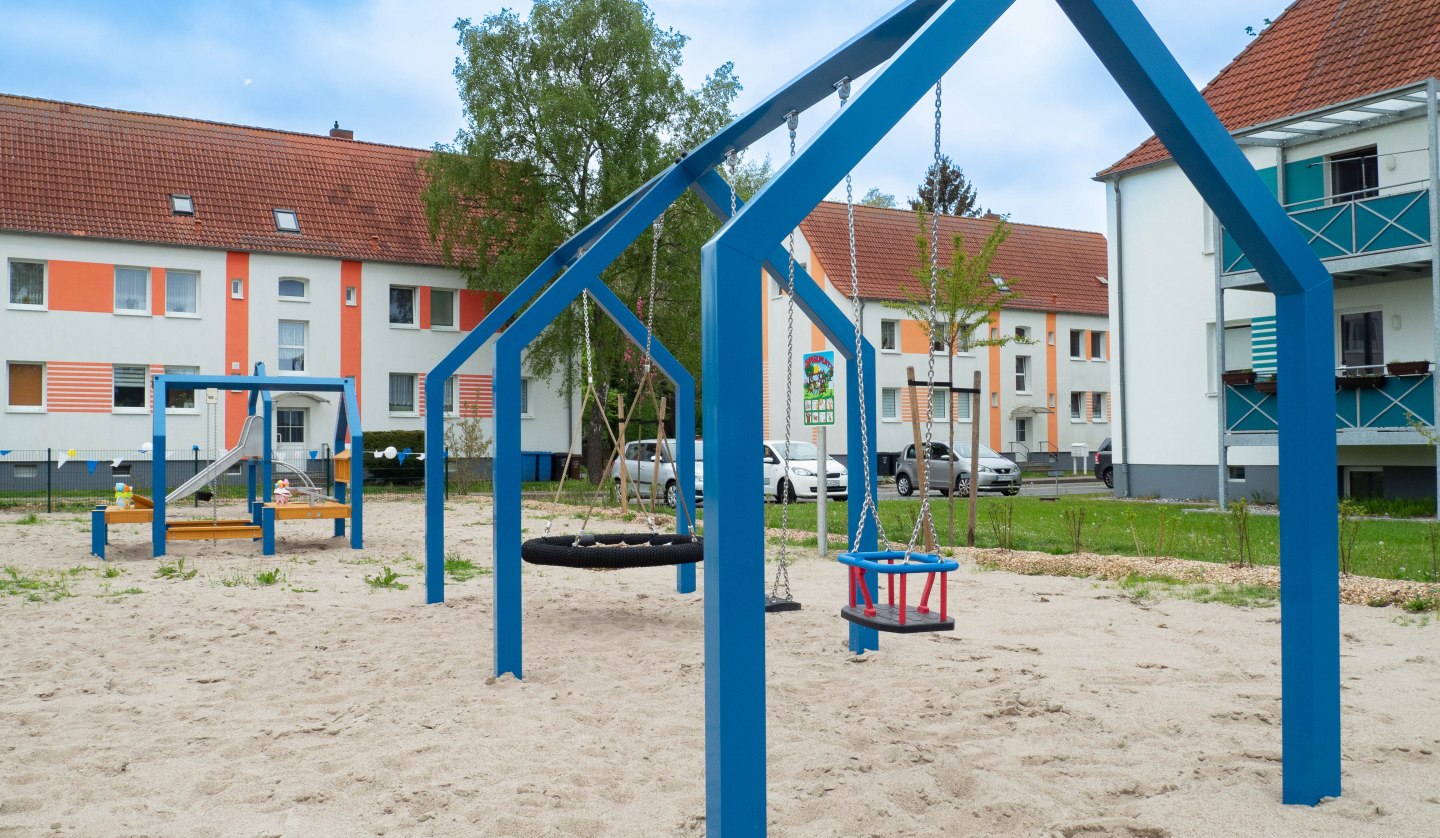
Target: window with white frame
{"x": 25, "y": 386}
{"x": 290, "y": 425}
{"x": 27, "y": 284}
{"x": 182, "y": 292}
{"x": 525, "y": 397}
{"x": 182, "y": 204}
{"x": 402, "y": 392}
{"x": 938, "y": 334}
{"x": 129, "y": 387}
{"x": 442, "y": 308}
{"x": 940, "y": 405}
{"x": 888, "y": 335}
{"x": 293, "y": 337}
{"x": 1077, "y": 343}
{"x": 962, "y": 406}
{"x": 286, "y": 221}
{"x": 890, "y": 404}
{"x": 402, "y": 305}
{"x": 451, "y": 387}
{"x": 1022, "y": 430}
{"x": 1022, "y": 334}
{"x": 132, "y": 290}
{"x": 180, "y": 399}
{"x": 1097, "y": 407}
{"x": 1077, "y": 406}
{"x": 1022, "y": 373}
{"x": 293, "y": 288}
{"x": 1097, "y": 346}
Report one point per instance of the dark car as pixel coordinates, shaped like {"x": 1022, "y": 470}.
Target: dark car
{"x": 1102, "y": 468}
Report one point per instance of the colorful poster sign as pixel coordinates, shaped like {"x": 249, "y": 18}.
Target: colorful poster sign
{"x": 817, "y": 371}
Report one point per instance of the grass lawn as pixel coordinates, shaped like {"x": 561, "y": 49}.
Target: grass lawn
{"x": 1389, "y": 549}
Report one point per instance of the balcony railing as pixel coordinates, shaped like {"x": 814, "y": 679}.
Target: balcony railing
{"x": 1255, "y": 408}
{"x": 1337, "y": 226}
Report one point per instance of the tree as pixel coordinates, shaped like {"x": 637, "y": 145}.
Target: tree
{"x": 569, "y": 111}
{"x": 968, "y": 297}
{"x": 876, "y": 198}
{"x": 946, "y": 190}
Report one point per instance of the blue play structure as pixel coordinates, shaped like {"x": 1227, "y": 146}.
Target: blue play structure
{"x": 909, "y": 49}
{"x": 256, "y": 452}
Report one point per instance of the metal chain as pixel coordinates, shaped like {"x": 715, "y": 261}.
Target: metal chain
{"x": 868, "y": 506}
{"x": 657, "y": 229}
{"x": 923, "y": 520}
{"x": 782, "y": 570}
{"x": 585, "y": 315}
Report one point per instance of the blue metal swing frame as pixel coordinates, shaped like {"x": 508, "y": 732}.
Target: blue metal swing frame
{"x": 921, "y": 40}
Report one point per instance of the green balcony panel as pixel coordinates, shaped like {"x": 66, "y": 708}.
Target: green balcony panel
{"x": 1388, "y": 407}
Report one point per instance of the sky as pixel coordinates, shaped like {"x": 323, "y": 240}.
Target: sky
{"x": 1030, "y": 114}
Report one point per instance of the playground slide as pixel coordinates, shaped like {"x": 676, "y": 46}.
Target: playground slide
{"x": 251, "y": 447}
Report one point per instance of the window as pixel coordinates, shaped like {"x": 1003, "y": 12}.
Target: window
{"x": 1097, "y": 407}
{"x": 26, "y": 385}
{"x": 962, "y": 407}
{"x": 182, "y": 204}
{"x": 402, "y": 392}
{"x": 887, "y": 335}
{"x": 1361, "y": 340}
{"x": 1354, "y": 175}
{"x": 524, "y": 397}
{"x": 1077, "y": 343}
{"x": 1050, "y": 338}
{"x": 449, "y": 407}
{"x": 1022, "y": 373}
{"x": 122, "y": 470}
{"x": 290, "y": 426}
{"x": 182, "y": 292}
{"x": 237, "y": 289}
{"x": 1236, "y": 474}
{"x": 25, "y": 471}
{"x": 1077, "y": 407}
{"x": 352, "y": 298}
{"x": 1000, "y": 283}
{"x": 940, "y": 405}
{"x": 180, "y": 399}
{"x": 890, "y": 404}
{"x": 129, "y": 387}
{"x": 442, "y": 309}
{"x": 294, "y": 288}
{"x": 27, "y": 284}
{"x": 1022, "y": 430}
{"x": 1022, "y": 334}
{"x": 938, "y": 334}
{"x": 1097, "y": 346}
{"x": 402, "y": 306}
{"x": 287, "y": 221}
{"x": 132, "y": 290}
{"x": 292, "y": 345}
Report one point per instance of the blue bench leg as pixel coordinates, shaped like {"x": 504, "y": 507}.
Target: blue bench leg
{"x": 267, "y": 530}
{"x": 98, "y": 534}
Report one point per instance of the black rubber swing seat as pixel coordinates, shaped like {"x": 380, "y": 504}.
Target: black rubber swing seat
{"x": 613, "y": 551}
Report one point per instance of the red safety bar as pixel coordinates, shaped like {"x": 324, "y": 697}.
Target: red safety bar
{"x": 857, "y": 580}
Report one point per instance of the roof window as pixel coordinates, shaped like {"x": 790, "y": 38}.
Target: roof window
{"x": 287, "y": 221}
{"x": 182, "y": 204}
{"x": 1000, "y": 283}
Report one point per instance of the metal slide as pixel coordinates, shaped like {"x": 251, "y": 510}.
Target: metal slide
{"x": 251, "y": 447}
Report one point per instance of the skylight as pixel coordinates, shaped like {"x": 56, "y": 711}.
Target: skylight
{"x": 1000, "y": 283}
{"x": 182, "y": 204}
{"x": 287, "y": 221}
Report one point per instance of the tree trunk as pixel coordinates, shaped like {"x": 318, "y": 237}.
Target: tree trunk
{"x": 950, "y": 415}
{"x": 974, "y": 457}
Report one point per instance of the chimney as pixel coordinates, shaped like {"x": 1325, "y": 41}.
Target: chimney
{"x": 341, "y": 133}
{"x": 989, "y": 216}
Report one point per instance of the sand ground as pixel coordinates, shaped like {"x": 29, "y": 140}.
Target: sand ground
{"x": 321, "y": 706}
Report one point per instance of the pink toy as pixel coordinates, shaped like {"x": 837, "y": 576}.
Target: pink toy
{"x": 282, "y": 491}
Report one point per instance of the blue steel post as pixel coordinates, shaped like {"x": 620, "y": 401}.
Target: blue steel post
{"x": 434, "y": 482}
{"x": 863, "y": 638}
{"x": 267, "y": 530}
{"x": 684, "y": 472}
{"x": 505, "y": 534}
{"x": 1205, "y": 152}
{"x": 157, "y": 471}
{"x": 351, "y": 404}
{"x": 267, "y": 466}
{"x": 734, "y": 545}
{"x": 98, "y": 531}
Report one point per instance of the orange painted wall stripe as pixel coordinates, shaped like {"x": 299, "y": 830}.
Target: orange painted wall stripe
{"x": 237, "y": 341}
{"x": 351, "y": 322}
{"x": 1051, "y": 384}
{"x": 474, "y": 305}
{"x": 423, "y": 293}
{"x": 157, "y": 292}
{"x": 81, "y": 286}
{"x": 996, "y": 399}
{"x": 914, "y": 337}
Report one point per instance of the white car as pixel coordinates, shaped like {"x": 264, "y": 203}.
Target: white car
{"x": 639, "y": 463}
{"x": 804, "y": 479}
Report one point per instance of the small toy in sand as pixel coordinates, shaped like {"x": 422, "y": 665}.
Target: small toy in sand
{"x": 282, "y": 491}
{"x": 124, "y": 495}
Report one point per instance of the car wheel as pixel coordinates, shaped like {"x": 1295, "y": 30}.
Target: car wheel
{"x": 1012, "y": 491}
{"x": 1109, "y": 478}
{"x": 841, "y": 497}
{"x": 962, "y": 485}
{"x": 785, "y": 492}
{"x": 903, "y": 485}
{"x": 672, "y": 495}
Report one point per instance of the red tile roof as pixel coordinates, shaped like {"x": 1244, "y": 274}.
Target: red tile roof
{"x": 1318, "y": 53}
{"x": 1052, "y": 268}
{"x": 86, "y": 171}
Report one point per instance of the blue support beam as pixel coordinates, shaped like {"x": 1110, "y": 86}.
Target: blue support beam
{"x": 1310, "y": 629}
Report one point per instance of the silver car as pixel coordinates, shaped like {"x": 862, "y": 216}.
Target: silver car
{"x": 997, "y": 474}
{"x": 639, "y": 463}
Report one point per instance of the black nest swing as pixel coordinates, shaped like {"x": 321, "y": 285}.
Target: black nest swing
{"x": 613, "y": 551}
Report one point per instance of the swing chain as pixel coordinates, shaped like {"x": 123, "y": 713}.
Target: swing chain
{"x": 782, "y": 569}
{"x": 585, "y": 316}
{"x": 657, "y": 229}
{"x": 923, "y": 520}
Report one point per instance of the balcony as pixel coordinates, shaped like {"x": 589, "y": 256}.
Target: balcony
{"x": 1381, "y": 231}
{"x": 1376, "y": 415}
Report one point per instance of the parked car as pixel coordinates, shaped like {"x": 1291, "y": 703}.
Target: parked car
{"x": 804, "y": 479}
{"x": 639, "y": 462}
{"x": 1102, "y": 468}
{"x": 997, "y": 474}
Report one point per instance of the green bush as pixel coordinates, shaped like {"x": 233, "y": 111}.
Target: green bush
{"x": 384, "y": 469}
